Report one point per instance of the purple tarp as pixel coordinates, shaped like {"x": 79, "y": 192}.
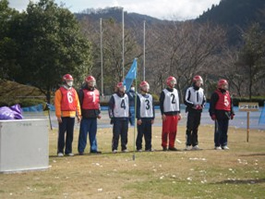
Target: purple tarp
{"x": 11, "y": 113}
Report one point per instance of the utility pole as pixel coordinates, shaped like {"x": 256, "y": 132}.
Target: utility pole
{"x": 144, "y": 54}
{"x": 123, "y": 49}
{"x": 101, "y": 57}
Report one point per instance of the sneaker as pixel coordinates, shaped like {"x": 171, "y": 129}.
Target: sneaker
{"x": 172, "y": 149}
{"x": 149, "y": 150}
{"x": 125, "y": 151}
{"x": 114, "y": 151}
{"x": 60, "y": 154}
{"x": 188, "y": 147}
{"x": 70, "y": 154}
{"x": 225, "y": 148}
{"x": 81, "y": 153}
{"x": 218, "y": 148}
{"x": 196, "y": 147}
{"x": 139, "y": 150}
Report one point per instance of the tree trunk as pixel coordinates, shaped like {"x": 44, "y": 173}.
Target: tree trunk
{"x": 250, "y": 82}
{"x": 180, "y": 94}
{"x": 48, "y": 95}
{"x": 250, "y": 90}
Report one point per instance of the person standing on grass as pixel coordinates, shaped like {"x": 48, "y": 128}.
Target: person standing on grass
{"x": 194, "y": 100}
{"x": 119, "y": 114}
{"x": 145, "y": 115}
{"x": 66, "y": 109}
{"x": 131, "y": 94}
{"x": 221, "y": 111}
{"x": 170, "y": 111}
{"x": 90, "y": 106}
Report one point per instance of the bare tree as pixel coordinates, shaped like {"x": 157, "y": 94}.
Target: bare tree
{"x": 231, "y": 70}
{"x": 112, "y": 50}
{"x": 187, "y": 49}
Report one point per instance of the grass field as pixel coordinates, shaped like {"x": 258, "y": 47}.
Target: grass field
{"x": 237, "y": 173}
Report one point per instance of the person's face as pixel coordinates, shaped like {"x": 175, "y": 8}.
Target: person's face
{"x": 224, "y": 86}
{"x": 145, "y": 88}
{"x": 172, "y": 84}
{"x": 198, "y": 83}
{"x": 69, "y": 83}
{"x": 122, "y": 89}
{"x": 91, "y": 84}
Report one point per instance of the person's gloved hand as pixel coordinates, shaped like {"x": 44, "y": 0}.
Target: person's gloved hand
{"x": 198, "y": 107}
{"x": 213, "y": 117}
{"x": 79, "y": 119}
{"x": 232, "y": 116}
{"x": 111, "y": 121}
{"x": 59, "y": 119}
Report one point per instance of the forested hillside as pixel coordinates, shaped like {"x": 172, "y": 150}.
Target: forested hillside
{"x": 201, "y": 46}
{"x": 235, "y": 15}
{"x": 116, "y": 14}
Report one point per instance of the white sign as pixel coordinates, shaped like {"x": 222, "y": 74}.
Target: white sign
{"x": 248, "y": 106}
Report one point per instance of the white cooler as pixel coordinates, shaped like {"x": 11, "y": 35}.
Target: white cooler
{"x": 24, "y": 145}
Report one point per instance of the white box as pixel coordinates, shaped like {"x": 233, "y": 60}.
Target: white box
{"x": 24, "y": 145}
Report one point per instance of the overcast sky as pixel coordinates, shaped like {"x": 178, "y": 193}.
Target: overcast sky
{"x": 162, "y": 9}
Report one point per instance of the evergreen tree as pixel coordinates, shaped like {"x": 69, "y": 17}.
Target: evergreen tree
{"x": 51, "y": 45}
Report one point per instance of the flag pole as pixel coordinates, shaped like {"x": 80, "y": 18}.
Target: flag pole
{"x": 135, "y": 112}
{"x": 130, "y": 77}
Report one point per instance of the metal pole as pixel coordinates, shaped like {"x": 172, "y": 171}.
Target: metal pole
{"x": 101, "y": 57}
{"x": 49, "y": 113}
{"x": 135, "y": 112}
{"x": 144, "y": 54}
{"x": 248, "y": 126}
{"x": 123, "y": 50}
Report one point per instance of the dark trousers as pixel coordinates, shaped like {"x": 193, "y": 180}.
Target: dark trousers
{"x": 88, "y": 125}
{"x": 120, "y": 128}
{"x": 193, "y": 122}
{"x": 132, "y": 115}
{"x": 220, "y": 134}
{"x": 67, "y": 126}
{"x": 145, "y": 129}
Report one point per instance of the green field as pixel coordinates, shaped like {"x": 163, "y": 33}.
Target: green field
{"x": 237, "y": 173}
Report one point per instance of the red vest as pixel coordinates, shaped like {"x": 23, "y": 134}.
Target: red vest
{"x": 224, "y": 101}
{"x": 68, "y": 102}
{"x": 91, "y": 99}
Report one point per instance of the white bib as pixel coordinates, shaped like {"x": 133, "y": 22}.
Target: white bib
{"x": 196, "y": 96}
{"x": 121, "y": 108}
{"x": 171, "y": 101}
{"x": 146, "y": 106}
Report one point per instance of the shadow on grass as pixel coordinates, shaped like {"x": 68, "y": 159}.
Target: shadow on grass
{"x": 253, "y": 181}
{"x": 254, "y": 154}
{"x": 119, "y": 152}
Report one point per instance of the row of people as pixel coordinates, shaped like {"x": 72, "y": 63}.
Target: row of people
{"x": 85, "y": 105}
